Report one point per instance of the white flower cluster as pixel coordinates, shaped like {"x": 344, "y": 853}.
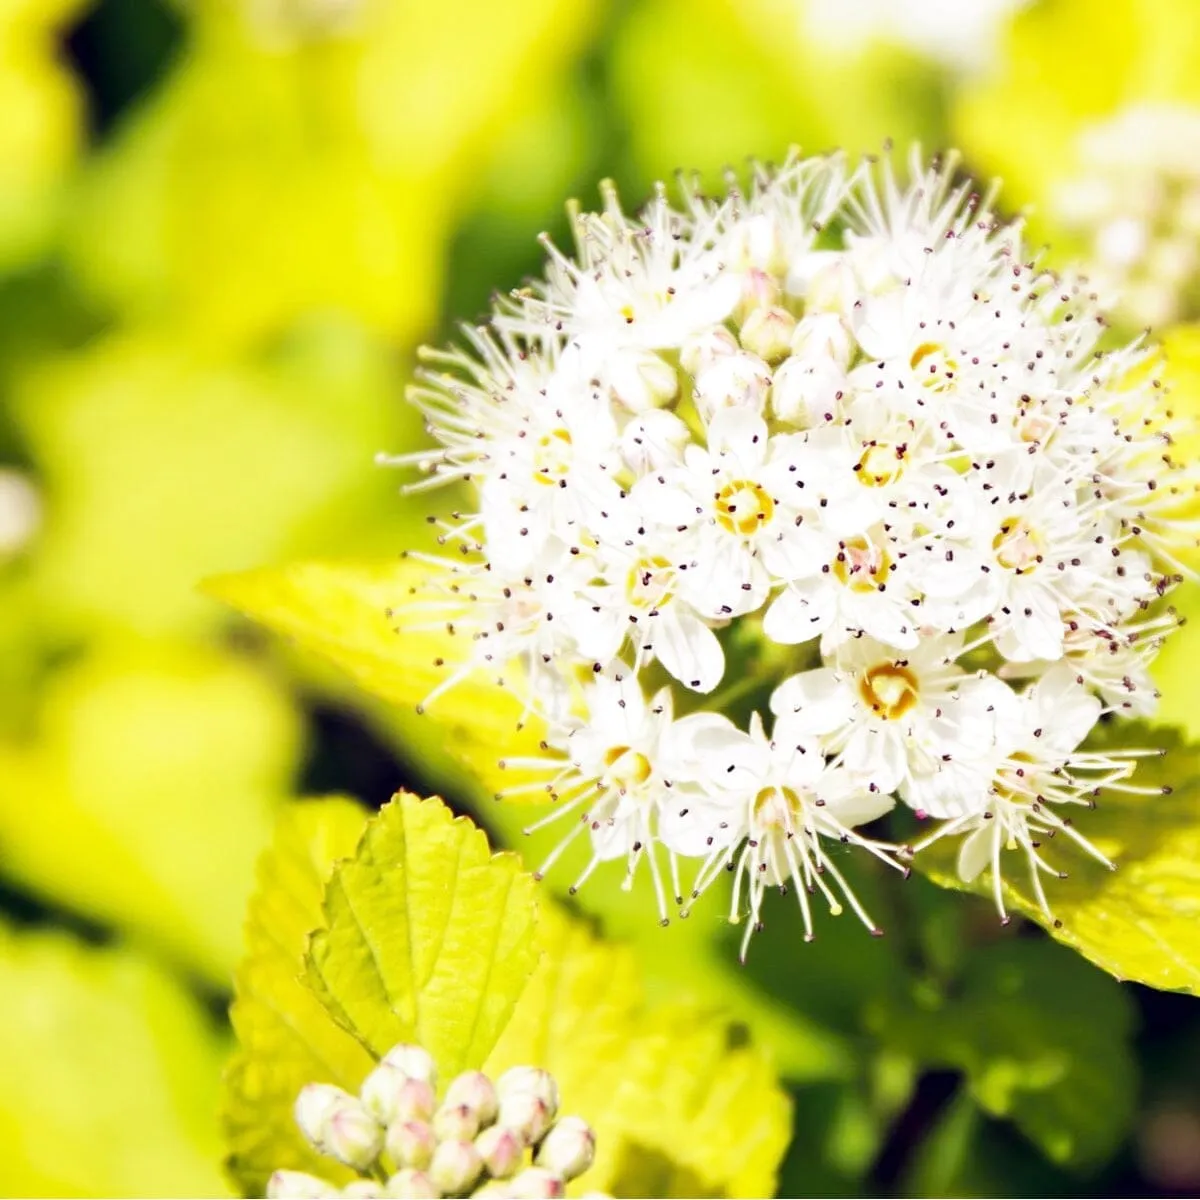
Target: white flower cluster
{"x": 832, "y": 449}
{"x": 478, "y": 1141}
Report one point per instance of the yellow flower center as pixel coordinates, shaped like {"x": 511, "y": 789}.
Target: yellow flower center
{"x": 551, "y": 458}
{"x": 861, "y": 565}
{"x": 778, "y": 807}
{"x": 626, "y": 769}
{"x": 1018, "y": 546}
{"x": 889, "y": 690}
{"x": 881, "y": 463}
{"x": 744, "y": 507}
{"x": 648, "y": 584}
{"x": 934, "y": 366}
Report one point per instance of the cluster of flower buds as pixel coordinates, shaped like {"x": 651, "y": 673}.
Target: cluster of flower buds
{"x": 502, "y": 1139}
{"x": 837, "y": 449}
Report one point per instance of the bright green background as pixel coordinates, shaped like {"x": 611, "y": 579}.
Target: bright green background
{"x": 224, "y": 227}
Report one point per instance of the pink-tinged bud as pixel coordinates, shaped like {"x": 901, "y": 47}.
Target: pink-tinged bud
{"x": 568, "y": 1149}
{"x": 759, "y": 290}
{"x": 455, "y": 1167}
{"x": 314, "y": 1106}
{"x": 411, "y": 1185}
{"x": 529, "y": 1081}
{"x": 297, "y": 1185}
{"x": 501, "y": 1149}
{"x": 362, "y": 1189}
{"x": 703, "y": 349}
{"x": 455, "y": 1123}
{"x": 414, "y": 1062}
{"x": 536, "y": 1183}
{"x": 410, "y": 1143}
{"x": 415, "y": 1101}
{"x": 768, "y": 333}
{"x": 527, "y": 1116}
{"x": 473, "y": 1090}
{"x": 353, "y": 1136}
{"x": 380, "y": 1092}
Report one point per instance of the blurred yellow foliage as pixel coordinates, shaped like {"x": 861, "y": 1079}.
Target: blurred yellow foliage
{"x": 110, "y": 1074}
{"x": 148, "y": 792}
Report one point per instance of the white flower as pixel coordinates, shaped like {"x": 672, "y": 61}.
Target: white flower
{"x": 616, "y": 776}
{"x": 877, "y": 709}
{"x": 765, "y": 809}
{"x": 1005, "y": 794}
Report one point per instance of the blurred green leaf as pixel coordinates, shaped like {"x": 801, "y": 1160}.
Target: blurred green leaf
{"x": 110, "y": 1074}
{"x": 147, "y": 792}
{"x": 43, "y": 127}
{"x": 355, "y": 615}
{"x": 1141, "y": 921}
{"x": 286, "y": 1039}
{"x": 681, "y": 1105}
{"x": 1044, "y": 1040}
{"x": 428, "y": 938}
{"x": 350, "y": 139}
{"x": 164, "y": 465}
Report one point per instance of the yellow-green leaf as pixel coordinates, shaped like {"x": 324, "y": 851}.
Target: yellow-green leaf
{"x": 429, "y": 937}
{"x": 363, "y": 618}
{"x": 1141, "y": 921}
{"x": 285, "y": 1038}
{"x": 111, "y": 1070}
{"x": 680, "y": 1105}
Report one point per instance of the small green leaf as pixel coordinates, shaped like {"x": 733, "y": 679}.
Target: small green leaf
{"x": 286, "y": 1039}
{"x": 429, "y": 938}
{"x": 373, "y": 621}
{"x": 680, "y": 1105}
{"x": 1141, "y": 921}
{"x": 1044, "y": 1041}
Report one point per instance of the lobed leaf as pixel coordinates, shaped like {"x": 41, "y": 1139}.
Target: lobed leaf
{"x": 286, "y": 1038}
{"x": 429, "y": 938}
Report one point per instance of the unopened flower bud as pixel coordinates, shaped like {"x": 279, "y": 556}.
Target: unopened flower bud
{"x": 703, "y": 349}
{"x": 414, "y": 1062}
{"x": 759, "y": 290}
{"x": 455, "y": 1123}
{"x": 455, "y": 1167}
{"x": 531, "y": 1081}
{"x": 823, "y": 337}
{"x": 526, "y": 1115}
{"x": 654, "y": 440}
{"x": 832, "y": 287}
{"x": 314, "y": 1106}
{"x": 361, "y": 1189}
{"x": 353, "y": 1136}
{"x": 409, "y": 1184}
{"x": 568, "y": 1149}
{"x": 415, "y": 1101}
{"x": 641, "y": 379}
{"x": 768, "y": 333}
{"x": 737, "y": 381}
{"x": 297, "y": 1185}
{"x": 536, "y": 1183}
{"x": 381, "y": 1091}
{"x": 477, "y": 1092}
{"x": 410, "y": 1143}
{"x": 805, "y": 393}
{"x": 501, "y": 1150}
